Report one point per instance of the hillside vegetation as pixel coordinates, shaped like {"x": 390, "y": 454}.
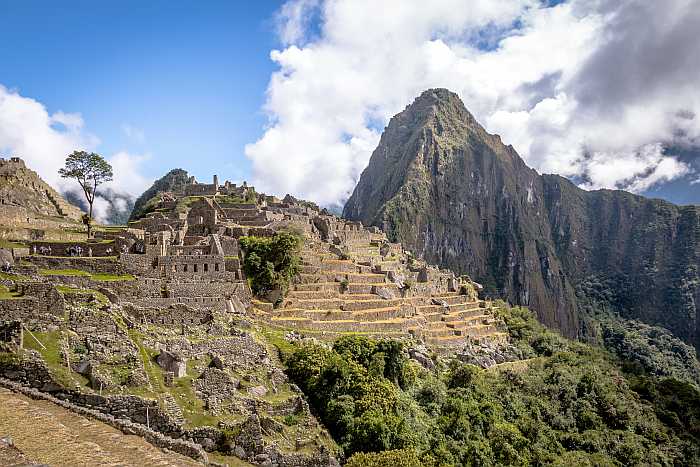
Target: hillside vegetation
{"x": 569, "y": 403}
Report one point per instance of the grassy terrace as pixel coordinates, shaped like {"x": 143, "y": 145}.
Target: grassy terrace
{"x": 99, "y": 296}
{"x": 50, "y": 350}
{"x": 192, "y": 407}
{"x": 9, "y": 244}
{"x": 6, "y": 293}
{"x": 102, "y": 277}
{"x": 13, "y": 277}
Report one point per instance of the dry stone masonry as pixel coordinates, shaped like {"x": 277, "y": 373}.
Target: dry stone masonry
{"x": 153, "y": 325}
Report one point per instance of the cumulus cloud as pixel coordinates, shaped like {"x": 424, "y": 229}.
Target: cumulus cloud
{"x": 594, "y": 90}
{"x": 43, "y": 140}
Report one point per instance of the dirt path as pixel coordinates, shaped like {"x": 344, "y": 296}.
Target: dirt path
{"x": 49, "y": 434}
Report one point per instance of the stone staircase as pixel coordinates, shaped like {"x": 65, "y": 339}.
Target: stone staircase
{"x": 351, "y": 292}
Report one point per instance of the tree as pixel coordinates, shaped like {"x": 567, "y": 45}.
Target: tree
{"x": 271, "y": 262}
{"x": 90, "y": 170}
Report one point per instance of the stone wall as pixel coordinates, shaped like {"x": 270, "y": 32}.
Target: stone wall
{"x": 201, "y": 189}
{"x": 137, "y": 264}
{"x": 208, "y": 303}
{"x": 11, "y": 336}
{"x": 93, "y": 265}
{"x": 230, "y": 246}
{"x": 141, "y": 287}
{"x": 192, "y": 265}
{"x": 157, "y": 222}
{"x": 208, "y": 289}
{"x": 38, "y": 305}
{"x": 175, "y": 315}
{"x": 85, "y": 249}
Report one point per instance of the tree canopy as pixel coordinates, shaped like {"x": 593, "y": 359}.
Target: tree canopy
{"x": 567, "y": 403}
{"x": 90, "y": 170}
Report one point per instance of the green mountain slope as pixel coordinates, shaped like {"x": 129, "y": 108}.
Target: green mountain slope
{"x": 174, "y": 180}
{"x": 443, "y": 186}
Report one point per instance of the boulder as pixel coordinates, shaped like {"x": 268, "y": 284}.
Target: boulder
{"x": 173, "y": 362}
{"x": 258, "y": 391}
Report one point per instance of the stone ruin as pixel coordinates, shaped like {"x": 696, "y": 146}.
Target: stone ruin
{"x": 172, "y": 363}
{"x": 11, "y": 336}
{"x": 178, "y": 283}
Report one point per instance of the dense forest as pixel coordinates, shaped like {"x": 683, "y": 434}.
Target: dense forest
{"x": 566, "y": 403}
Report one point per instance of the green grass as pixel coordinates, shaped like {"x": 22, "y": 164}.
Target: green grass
{"x": 192, "y": 407}
{"x": 63, "y": 272}
{"x": 13, "y": 277}
{"x": 232, "y": 199}
{"x": 112, "y": 277}
{"x": 6, "y": 293}
{"x": 10, "y": 244}
{"x": 103, "y": 277}
{"x": 276, "y": 338}
{"x": 51, "y": 353}
{"x": 101, "y": 299}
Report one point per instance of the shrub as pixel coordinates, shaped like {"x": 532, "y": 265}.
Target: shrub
{"x": 399, "y": 457}
{"x": 572, "y": 405}
{"x": 271, "y": 262}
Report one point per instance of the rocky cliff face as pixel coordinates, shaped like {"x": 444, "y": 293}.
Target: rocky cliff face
{"x": 439, "y": 183}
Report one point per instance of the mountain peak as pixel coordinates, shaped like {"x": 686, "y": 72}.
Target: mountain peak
{"x": 438, "y": 95}
{"x": 456, "y": 195}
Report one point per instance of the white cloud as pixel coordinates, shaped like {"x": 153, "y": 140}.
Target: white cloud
{"x": 43, "y": 140}
{"x": 542, "y": 86}
{"x": 127, "y": 176}
{"x": 293, "y": 20}
{"x": 135, "y": 134}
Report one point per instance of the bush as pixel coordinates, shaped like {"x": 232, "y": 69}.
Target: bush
{"x": 401, "y": 457}
{"x": 271, "y": 262}
{"x": 571, "y": 405}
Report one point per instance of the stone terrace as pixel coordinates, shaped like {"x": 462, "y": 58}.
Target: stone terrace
{"x": 353, "y": 288}
{"x": 353, "y": 280}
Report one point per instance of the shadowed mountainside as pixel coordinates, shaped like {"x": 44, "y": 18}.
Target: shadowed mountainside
{"x": 443, "y": 186}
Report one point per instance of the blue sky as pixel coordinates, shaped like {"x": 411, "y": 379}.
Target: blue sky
{"x": 292, "y": 96}
{"x": 190, "y": 76}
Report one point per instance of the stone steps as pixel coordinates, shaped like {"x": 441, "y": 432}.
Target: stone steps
{"x": 377, "y": 314}
{"x": 365, "y": 278}
{"x": 359, "y": 305}
{"x": 347, "y": 325}
{"x": 463, "y": 314}
{"x": 353, "y": 277}
{"x": 338, "y": 265}
{"x": 467, "y": 322}
{"x": 451, "y": 299}
{"x": 313, "y": 304}
{"x": 334, "y": 296}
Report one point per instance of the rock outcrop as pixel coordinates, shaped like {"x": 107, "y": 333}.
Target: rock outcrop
{"x": 31, "y": 209}
{"x": 455, "y": 194}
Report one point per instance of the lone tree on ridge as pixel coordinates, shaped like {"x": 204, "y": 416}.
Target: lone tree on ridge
{"x": 90, "y": 170}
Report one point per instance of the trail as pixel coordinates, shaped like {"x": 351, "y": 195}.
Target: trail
{"x": 49, "y": 434}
